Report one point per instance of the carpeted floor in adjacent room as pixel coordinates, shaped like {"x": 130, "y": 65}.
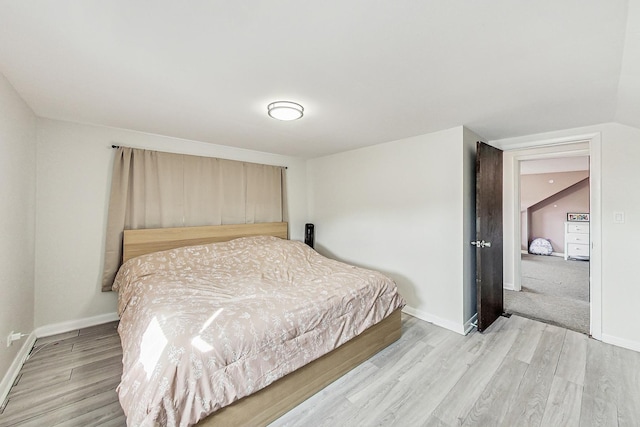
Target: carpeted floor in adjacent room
{"x": 553, "y": 291}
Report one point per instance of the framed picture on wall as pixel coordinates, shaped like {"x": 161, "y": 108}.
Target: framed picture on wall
{"x": 578, "y": 217}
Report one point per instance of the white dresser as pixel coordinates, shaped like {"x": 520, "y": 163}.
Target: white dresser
{"x": 576, "y": 240}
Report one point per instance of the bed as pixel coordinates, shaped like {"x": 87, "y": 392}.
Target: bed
{"x": 239, "y": 331}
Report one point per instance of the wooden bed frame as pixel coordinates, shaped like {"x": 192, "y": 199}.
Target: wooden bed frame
{"x": 144, "y": 241}
{"x": 273, "y": 401}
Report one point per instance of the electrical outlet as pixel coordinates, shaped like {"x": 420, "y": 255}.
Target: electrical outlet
{"x": 10, "y": 339}
{"x": 13, "y": 337}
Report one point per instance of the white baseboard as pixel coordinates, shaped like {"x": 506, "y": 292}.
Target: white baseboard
{"x": 445, "y": 323}
{"x": 621, "y": 342}
{"x": 70, "y": 325}
{"x": 11, "y": 375}
{"x": 508, "y": 286}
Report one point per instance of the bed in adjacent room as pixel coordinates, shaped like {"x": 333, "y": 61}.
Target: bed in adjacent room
{"x": 239, "y": 331}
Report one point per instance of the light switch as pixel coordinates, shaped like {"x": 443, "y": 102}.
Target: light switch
{"x": 618, "y": 217}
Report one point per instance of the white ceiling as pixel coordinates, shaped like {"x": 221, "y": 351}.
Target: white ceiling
{"x": 366, "y": 71}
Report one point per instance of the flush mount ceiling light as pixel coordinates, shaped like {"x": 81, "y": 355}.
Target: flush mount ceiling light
{"x": 285, "y": 110}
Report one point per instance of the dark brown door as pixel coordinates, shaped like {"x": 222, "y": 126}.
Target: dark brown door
{"x": 488, "y": 234}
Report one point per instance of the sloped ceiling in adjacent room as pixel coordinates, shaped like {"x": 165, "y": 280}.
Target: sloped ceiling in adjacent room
{"x": 366, "y": 71}
{"x": 542, "y": 178}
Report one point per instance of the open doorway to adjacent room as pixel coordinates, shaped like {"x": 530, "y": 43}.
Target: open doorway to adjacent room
{"x": 554, "y": 230}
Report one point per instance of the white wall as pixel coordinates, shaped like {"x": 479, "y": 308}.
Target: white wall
{"x": 399, "y": 208}
{"x": 17, "y": 219}
{"x": 620, "y": 282}
{"x": 620, "y": 156}
{"x": 73, "y": 176}
{"x": 469, "y": 222}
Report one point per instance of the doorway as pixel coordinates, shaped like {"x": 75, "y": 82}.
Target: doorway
{"x": 514, "y": 153}
{"x": 554, "y": 260}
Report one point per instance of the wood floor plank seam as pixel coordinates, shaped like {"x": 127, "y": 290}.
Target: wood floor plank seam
{"x": 25, "y": 409}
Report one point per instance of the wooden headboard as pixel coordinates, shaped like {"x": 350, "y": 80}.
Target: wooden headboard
{"x": 144, "y": 241}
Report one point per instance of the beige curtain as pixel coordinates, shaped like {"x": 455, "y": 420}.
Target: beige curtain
{"x": 151, "y": 189}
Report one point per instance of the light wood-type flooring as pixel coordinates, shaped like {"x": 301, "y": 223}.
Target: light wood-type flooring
{"x": 69, "y": 380}
{"x": 518, "y": 373}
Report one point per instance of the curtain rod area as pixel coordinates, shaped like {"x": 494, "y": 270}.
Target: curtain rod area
{"x": 118, "y": 146}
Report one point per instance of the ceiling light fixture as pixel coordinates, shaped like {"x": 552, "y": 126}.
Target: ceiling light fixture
{"x": 285, "y": 110}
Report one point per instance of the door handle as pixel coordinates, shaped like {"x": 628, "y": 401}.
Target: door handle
{"x": 481, "y": 244}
